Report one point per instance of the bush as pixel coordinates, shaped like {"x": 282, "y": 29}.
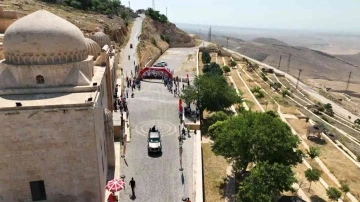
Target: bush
{"x": 226, "y": 69}
{"x": 101, "y": 6}
{"x": 285, "y": 93}
{"x": 155, "y": 15}
{"x": 75, "y": 4}
{"x": 165, "y": 38}
{"x": 233, "y": 63}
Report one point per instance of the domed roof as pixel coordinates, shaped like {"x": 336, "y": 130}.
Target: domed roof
{"x": 93, "y": 48}
{"x": 101, "y": 39}
{"x": 42, "y": 38}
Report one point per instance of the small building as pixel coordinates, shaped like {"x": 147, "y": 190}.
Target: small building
{"x": 56, "y": 103}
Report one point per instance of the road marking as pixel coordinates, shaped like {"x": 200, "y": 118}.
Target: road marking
{"x": 166, "y": 128}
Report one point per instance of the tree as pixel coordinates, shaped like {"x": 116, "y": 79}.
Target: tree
{"x": 345, "y": 188}
{"x": 226, "y": 69}
{"x": 313, "y": 152}
{"x": 212, "y": 91}
{"x": 333, "y": 193}
{"x": 233, "y": 63}
{"x": 357, "y": 122}
{"x": 212, "y": 68}
{"x": 124, "y": 15}
{"x": 328, "y": 109}
{"x": 256, "y": 137}
{"x": 205, "y": 58}
{"x": 312, "y": 175}
{"x": 266, "y": 182}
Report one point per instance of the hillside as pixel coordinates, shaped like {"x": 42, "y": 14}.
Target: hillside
{"x": 156, "y": 37}
{"x": 269, "y": 41}
{"x": 87, "y": 21}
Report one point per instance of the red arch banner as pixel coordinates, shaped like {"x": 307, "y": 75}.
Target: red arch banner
{"x": 160, "y": 69}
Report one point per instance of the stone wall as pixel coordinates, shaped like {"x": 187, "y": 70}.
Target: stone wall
{"x": 24, "y": 76}
{"x": 59, "y": 147}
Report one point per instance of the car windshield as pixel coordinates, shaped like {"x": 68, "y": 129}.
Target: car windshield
{"x": 154, "y": 140}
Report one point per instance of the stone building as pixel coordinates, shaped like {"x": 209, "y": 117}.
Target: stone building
{"x": 56, "y": 95}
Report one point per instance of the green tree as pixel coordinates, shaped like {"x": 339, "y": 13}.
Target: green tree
{"x": 212, "y": 91}
{"x": 266, "y": 182}
{"x": 212, "y": 68}
{"x": 328, "y": 109}
{"x": 226, "y": 69}
{"x": 256, "y": 137}
{"x": 345, "y": 188}
{"x": 285, "y": 93}
{"x": 233, "y": 63}
{"x": 313, "y": 152}
{"x": 333, "y": 193}
{"x": 312, "y": 175}
{"x": 124, "y": 15}
{"x": 357, "y": 122}
{"x": 205, "y": 57}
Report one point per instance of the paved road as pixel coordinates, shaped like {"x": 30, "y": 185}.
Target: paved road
{"x": 158, "y": 177}
{"x": 125, "y": 63}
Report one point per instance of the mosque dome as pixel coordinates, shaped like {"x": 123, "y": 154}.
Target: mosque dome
{"x": 42, "y": 38}
{"x": 93, "y": 48}
{"x": 101, "y": 39}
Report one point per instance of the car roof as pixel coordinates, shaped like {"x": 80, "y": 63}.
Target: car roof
{"x": 154, "y": 135}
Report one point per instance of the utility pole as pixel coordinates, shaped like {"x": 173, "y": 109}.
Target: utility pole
{"x": 288, "y": 65}
{"x": 153, "y": 4}
{"x": 210, "y": 34}
{"x": 227, "y": 43}
{"x": 279, "y": 62}
{"x": 129, "y": 5}
{"x": 166, "y": 11}
{"x": 300, "y": 70}
{"x": 348, "y": 83}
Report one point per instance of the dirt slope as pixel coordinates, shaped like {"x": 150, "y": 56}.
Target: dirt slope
{"x": 87, "y": 21}
{"x": 151, "y": 43}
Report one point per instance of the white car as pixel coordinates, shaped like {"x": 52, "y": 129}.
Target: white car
{"x": 162, "y": 62}
{"x": 154, "y": 142}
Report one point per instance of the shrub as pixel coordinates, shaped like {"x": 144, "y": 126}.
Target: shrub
{"x": 285, "y": 93}
{"x": 205, "y": 58}
{"x": 155, "y": 15}
{"x": 233, "y": 63}
{"x": 165, "y": 38}
{"x": 75, "y": 4}
{"x": 226, "y": 69}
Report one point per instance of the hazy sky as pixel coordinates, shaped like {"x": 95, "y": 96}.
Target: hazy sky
{"x": 322, "y": 15}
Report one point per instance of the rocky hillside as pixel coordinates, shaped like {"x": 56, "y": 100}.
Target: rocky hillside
{"x": 269, "y": 41}
{"x": 87, "y": 21}
{"x": 156, "y": 37}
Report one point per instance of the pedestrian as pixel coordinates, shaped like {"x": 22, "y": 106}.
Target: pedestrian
{"x": 183, "y": 87}
{"x": 133, "y": 185}
{"x": 188, "y": 200}
{"x": 188, "y": 130}
{"x": 127, "y": 93}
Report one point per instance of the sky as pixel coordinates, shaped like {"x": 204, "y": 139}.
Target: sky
{"x": 317, "y": 15}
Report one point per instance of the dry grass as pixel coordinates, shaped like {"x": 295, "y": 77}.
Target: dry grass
{"x": 245, "y": 93}
{"x": 290, "y": 110}
{"x": 316, "y": 188}
{"x": 338, "y": 164}
{"x": 214, "y": 174}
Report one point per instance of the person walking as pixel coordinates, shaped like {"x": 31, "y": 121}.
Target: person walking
{"x": 133, "y": 185}
{"x": 188, "y": 200}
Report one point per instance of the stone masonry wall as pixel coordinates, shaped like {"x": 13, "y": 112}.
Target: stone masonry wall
{"x": 59, "y": 147}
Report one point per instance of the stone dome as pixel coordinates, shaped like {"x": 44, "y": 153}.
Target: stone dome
{"x": 93, "y": 48}
{"x": 42, "y": 38}
{"x": 101, "y": 39}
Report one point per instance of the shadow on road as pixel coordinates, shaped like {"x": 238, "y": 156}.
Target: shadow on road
{"x": 155, "y": 155}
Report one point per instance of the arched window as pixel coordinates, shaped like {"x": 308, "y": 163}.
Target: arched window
{"x": 40, "y": 79}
